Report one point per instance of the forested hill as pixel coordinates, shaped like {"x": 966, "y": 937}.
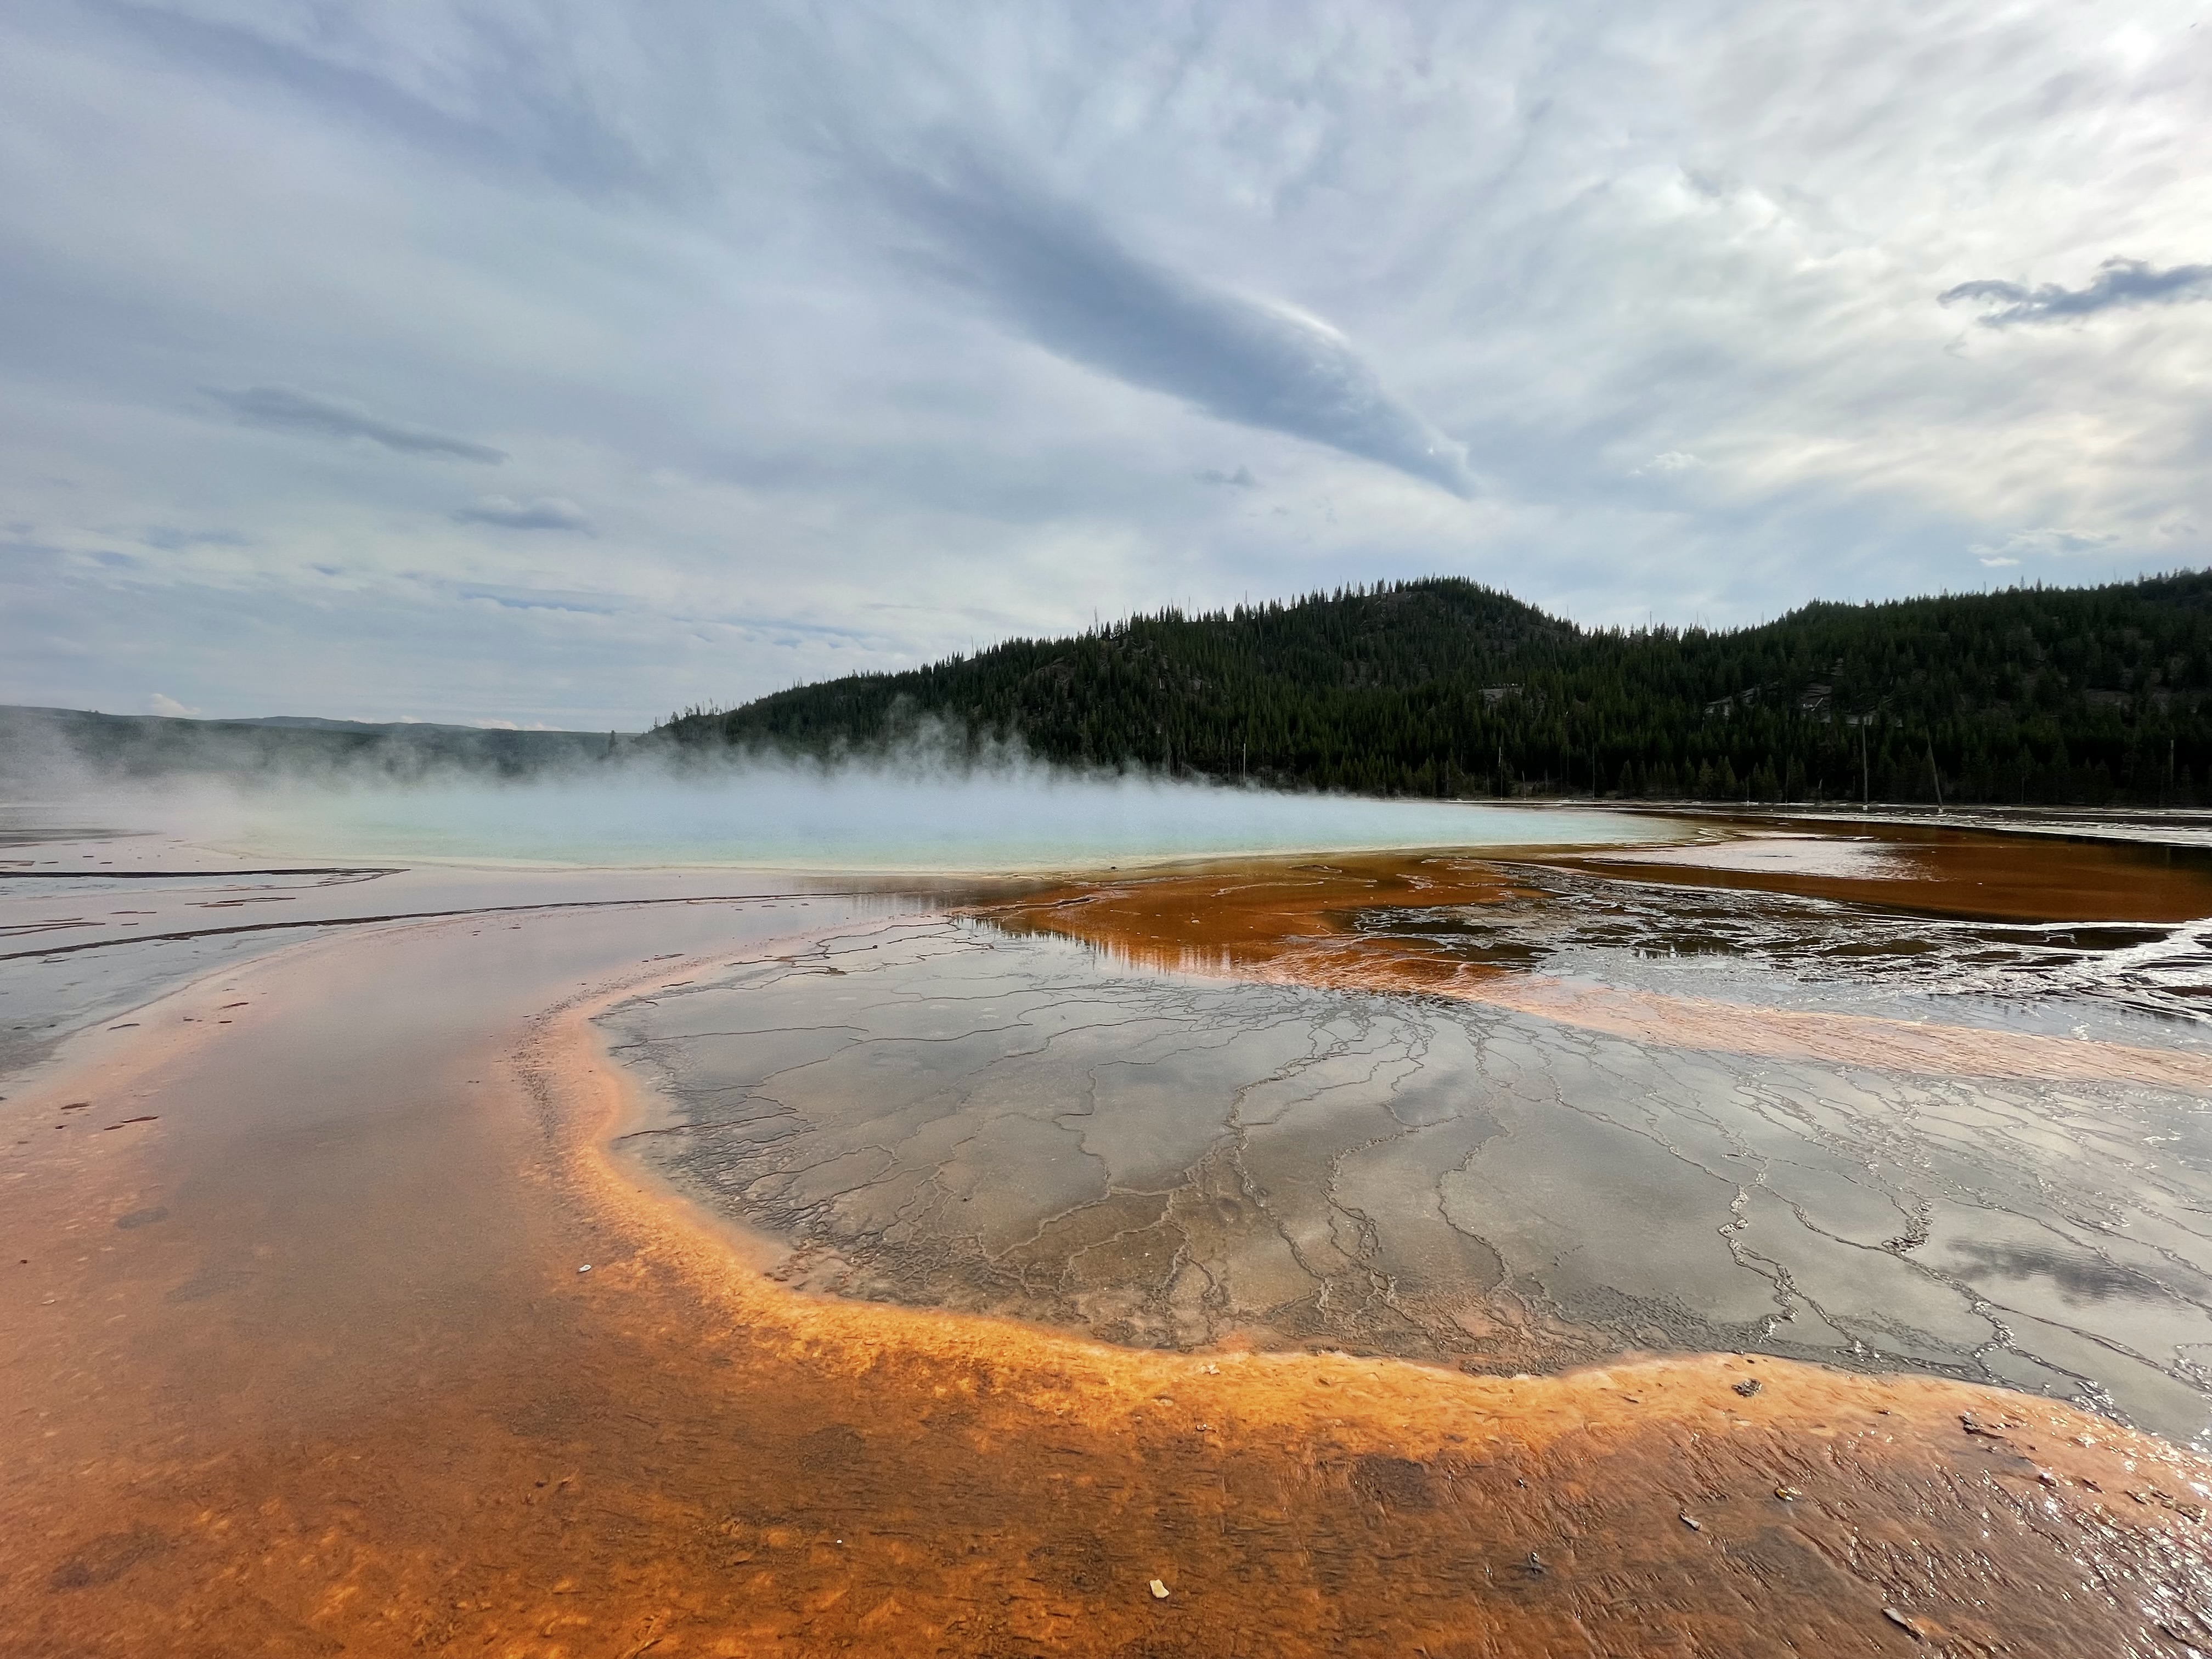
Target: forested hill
{"x": 2094, "y": 695}
{"x": 39, "y": 744}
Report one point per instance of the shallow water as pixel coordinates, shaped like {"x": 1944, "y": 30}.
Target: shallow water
{"x": 953, "y": 1117}
{"x": 1995, "y": 1184}
{"x": 2126, "y": 980}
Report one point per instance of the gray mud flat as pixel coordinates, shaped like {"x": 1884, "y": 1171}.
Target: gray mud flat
{"x": 930, "y": 1112}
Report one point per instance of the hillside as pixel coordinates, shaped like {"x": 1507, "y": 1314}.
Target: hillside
{"x": 33, "y": 742}
{"x": 1441, "y": 687}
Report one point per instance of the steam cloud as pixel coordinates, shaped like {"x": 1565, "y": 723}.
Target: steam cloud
{"x": 933, "y": 802}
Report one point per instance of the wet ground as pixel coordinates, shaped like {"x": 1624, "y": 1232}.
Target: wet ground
{"x": 327, "y": 1324}
{"x": 92, "y": 928}
{"x": 1883, "y": 1135}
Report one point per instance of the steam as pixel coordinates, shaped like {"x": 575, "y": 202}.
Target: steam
{"x": 935, "y": 802}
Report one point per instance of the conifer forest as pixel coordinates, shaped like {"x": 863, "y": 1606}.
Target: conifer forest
{"x": 1442, "y": 686}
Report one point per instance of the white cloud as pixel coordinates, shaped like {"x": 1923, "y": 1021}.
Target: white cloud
{"x": 158, "y": 703}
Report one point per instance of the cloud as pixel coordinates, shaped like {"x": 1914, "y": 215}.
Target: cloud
{"x": 1059, "y": 276}
{"x": 539, "y": 512}
{"x": 289, "y": 411}
{"x": 1242, "y": 478}
{"x": 2119, "y": 283}
{"x": 168, "y": 539}
{"x": 1674, "y": 460}
{"x": 2052, "y": 541}
{"x": 2000, "y": 563}
{"x": 169, "y": 706}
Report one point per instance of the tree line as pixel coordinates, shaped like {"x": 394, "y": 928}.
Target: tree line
{"x": 1443, "y": 687}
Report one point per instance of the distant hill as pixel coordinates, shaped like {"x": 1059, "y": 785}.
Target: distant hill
{"x": 1442, "y": 686}
{"x": 35, "y": 741}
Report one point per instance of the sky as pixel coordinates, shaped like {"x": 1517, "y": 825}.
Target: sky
{"x": 554, "y": 364}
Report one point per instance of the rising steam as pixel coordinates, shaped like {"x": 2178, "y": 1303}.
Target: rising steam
{"x": 934, "y": 802}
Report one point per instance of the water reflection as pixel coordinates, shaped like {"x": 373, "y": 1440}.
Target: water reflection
{"x": 2079, "y": 1277}
{"x": 941, "y": 1113}
{"x": 979, "y": 1113}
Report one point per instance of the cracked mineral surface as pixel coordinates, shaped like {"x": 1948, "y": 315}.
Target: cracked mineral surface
{"x": 1883, "y": 1136}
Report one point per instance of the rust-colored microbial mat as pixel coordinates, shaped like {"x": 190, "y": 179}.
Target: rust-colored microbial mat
{"x": 299, "y": 1356}
{"x": 1263, "y": 918}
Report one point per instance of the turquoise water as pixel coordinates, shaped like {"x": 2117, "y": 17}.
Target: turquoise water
{"x": 865, "y": 820}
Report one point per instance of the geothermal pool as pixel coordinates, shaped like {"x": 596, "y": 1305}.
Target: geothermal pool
{"x": 923, "y": 821}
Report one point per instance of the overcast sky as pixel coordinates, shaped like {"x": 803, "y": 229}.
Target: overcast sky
{"x": 563, "y": 364}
